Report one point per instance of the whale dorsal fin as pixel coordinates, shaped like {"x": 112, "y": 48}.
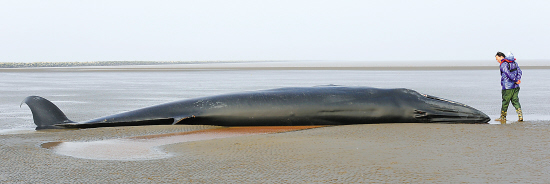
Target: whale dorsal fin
{"x": 44, "y": 113}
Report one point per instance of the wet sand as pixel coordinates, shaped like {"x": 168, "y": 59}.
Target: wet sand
{"x": 147, "y": 147}
{"x": 389, "y": 153}
{"x": 516, "y": 152}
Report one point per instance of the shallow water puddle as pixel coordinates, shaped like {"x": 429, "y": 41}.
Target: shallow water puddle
{"x": 147, "y": 147}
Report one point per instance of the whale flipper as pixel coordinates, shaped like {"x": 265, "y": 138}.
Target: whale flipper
{"x": 44, "y": 113}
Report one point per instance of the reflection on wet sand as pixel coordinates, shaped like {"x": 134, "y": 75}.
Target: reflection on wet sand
{"x": 147, "y": 147}
{"x": 16, "y": 131}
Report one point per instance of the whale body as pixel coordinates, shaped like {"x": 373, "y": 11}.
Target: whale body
{"x": 296, "y": 106}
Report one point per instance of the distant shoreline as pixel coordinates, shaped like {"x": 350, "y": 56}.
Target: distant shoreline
{"x": 99, "y": 63}
{"x": 152, "y": 66}
{"x": 173, "y": 68}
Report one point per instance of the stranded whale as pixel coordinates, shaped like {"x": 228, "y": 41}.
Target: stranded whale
{"x": 326, "y": 105}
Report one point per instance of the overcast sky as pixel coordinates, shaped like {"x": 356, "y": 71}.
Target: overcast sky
{"x": 202, "y": 30}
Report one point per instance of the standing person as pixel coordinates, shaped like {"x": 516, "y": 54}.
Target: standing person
{"x": 510, "y": 78}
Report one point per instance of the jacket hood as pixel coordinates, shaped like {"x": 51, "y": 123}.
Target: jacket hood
{"x": 509, "y": 58}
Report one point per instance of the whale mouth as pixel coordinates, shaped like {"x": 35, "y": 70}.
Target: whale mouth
{"x": 441, "y": 110}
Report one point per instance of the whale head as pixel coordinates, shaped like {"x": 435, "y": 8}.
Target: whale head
{"x": 440, "y": 110}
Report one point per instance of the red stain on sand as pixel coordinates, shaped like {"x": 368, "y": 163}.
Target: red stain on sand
{"x": 234, "y": 131}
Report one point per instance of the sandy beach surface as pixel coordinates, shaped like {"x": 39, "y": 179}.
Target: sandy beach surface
{"x": 370, "y": 153}
{"x": 388, "y": 153}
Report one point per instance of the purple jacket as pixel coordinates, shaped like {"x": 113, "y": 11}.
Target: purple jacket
{"x": 510, "y": 73}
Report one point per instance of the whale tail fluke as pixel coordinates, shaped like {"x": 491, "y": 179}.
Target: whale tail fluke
{"x": 44, "y": 113}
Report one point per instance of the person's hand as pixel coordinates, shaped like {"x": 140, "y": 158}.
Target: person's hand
{"x": 518, "y": 82}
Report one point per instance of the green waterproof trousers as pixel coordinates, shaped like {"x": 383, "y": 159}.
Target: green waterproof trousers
{"x": 510, "y": 95}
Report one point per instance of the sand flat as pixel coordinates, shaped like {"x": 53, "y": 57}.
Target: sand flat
{"x": 515, "y": 152}
{"x": 390, "y": 153}
{"x": 147, "y": 147}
